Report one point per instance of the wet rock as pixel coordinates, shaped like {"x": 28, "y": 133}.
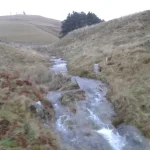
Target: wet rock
{"x": 38, "y": 109}
{"x": 134, "y": 137}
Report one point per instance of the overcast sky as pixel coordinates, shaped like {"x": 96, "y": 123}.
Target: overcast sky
{"x": 58, "y": 9}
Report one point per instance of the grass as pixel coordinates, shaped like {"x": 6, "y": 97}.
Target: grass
{"x": 69, "y": 99}
{"x": 20, "y": 128}
{"x": 24, "y": 80}
{"x": 29, "y": 65}
{"x": 29, "y": 29}
{"x": 126, "y": 42}
{"x": 8, "y": 143}
{"x": 62, "y": 83}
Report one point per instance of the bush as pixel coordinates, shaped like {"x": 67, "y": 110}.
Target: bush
{"x": 77, "y": 20}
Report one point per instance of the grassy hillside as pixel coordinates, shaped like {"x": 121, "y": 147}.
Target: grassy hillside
{"x": 23, "y": 80}
{"x": 29, "y": 29}
{"x": 126, "y": 44}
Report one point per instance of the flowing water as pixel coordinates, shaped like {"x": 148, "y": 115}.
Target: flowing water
{"x": 90, "y": 128}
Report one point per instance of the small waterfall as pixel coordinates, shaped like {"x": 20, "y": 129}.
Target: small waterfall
{"x": 60, "y": 123}
{"x": 95, "y": 118}
{"x": 90, "y": 127}
{"x": 115, "y": 140}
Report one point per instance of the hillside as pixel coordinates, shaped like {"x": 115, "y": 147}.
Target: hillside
{"x": 126, "y": 44}
{"x": 22, "y": 83}
{"x": 29, "y": 29}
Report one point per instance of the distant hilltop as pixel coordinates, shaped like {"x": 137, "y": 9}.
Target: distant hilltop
{"x": 29, "y": 29}
{"x": 18, "y": 13}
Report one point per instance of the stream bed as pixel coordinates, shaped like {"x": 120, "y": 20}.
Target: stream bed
{"x": 90, "y": 128}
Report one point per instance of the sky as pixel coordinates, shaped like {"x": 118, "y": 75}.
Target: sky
{"x": 58, "y": 9}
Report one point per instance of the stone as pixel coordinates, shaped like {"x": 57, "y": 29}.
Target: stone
{"x": 38, "y": 109}
{"x": 96, "y": 68}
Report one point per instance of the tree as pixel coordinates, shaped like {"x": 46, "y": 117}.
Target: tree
{"x": 74, "y": 21}
{"x": 92, "y": 19}
{"x": 77, "y": 20}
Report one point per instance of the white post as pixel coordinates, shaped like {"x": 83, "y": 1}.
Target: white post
{"x": 96, "y": 68}
{"x": 106, "y": 60}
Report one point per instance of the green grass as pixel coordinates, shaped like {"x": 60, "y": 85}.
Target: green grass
{"x": 8, "y": 143}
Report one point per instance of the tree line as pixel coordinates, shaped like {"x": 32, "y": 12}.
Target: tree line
{"x": 77, "y": 20}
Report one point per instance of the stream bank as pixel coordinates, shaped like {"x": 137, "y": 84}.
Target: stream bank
{"x": 91, "y": 127}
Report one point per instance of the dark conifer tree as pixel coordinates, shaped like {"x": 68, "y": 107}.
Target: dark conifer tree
{"x": 77, "y": 20}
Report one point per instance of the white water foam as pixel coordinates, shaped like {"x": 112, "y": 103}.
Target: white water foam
{"x": 60, "y": 68}
{"x": 60, "y": 123}
{"x": 115, "y": 140}
{"x": 95, "y": 118}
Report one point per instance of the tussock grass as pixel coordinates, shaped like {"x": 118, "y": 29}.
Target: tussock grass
{"x": 126, "y": 42}
{"x": 62, "y": 83}
{"x": 69, "y": 99}
{"x": 24, "y": 80}
{"x": 19, "y": 127}
{"x": 30, "y": 65}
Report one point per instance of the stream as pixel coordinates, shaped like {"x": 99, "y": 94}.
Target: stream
{"x": 90, "y": 128}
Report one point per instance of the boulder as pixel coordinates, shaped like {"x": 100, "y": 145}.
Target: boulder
{"x": 39, "y": 110}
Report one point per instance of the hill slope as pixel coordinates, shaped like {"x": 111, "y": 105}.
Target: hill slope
{"x": 126, "y": 44}
{"x": 21, "y": 76}
{"x": 29, "y": 29}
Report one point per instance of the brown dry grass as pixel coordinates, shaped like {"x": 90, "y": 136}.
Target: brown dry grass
{"x": 69, "y": 99}
{"x": 24, "y": 78}
{"x": 20, "y": 128}
{"x": 126, "y": 41}
{"x": 62, "y": 83}
{"x": 29, "y": 64}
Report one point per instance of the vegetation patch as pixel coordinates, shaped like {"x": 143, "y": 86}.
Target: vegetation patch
{"x": 61, "y": 83}
{"x": 24, "y": 80}
{"x": 71, "y": 98}
{"x": 19, "y": 127}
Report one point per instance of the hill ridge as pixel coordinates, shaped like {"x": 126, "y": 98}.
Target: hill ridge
{"x": 29, "y": 29}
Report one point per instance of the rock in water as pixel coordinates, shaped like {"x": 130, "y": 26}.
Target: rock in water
{"x": 134, "y": 138}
